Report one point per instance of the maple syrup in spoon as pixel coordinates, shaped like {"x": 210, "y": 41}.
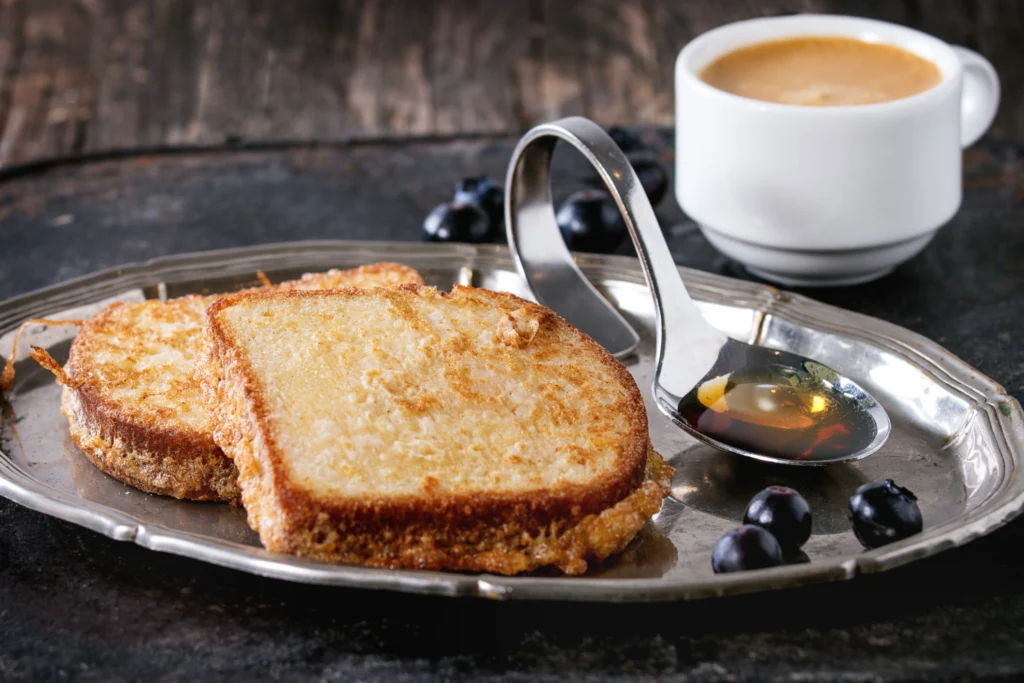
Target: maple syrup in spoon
{"x": 780, "y": 412}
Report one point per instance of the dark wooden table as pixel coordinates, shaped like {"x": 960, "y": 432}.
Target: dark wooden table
{"x": 76, "y": 605}
{"x": 94, "y": 75}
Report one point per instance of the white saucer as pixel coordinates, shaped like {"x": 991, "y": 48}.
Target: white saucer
{"x": 794, "y": 268}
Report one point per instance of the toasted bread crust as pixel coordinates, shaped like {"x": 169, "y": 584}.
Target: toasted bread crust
{"x": 156, "y": 449}
{"x": 502, "y": 532}
{"x": 368, "y": 276}
{"x": 182, "y": 463}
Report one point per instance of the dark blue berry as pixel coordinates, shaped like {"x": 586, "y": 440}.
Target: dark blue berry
{"x": 480, "y": 190}
{"x": 627, "y": 141}
{"x": 783, "y": 513}
{"x": 748, "y": 547}
{"x": 652, "y": 174}
{"x": 457, "y": 222}
{"x": 884, "y": 513}
{"x": 653, "y": 177}
{"x": 590, "y": 221}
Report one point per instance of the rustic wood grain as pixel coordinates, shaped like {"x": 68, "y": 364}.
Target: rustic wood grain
{"x": 94, "y": 75}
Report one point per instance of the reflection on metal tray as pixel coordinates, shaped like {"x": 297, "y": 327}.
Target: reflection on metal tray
{"x": 957, "y": 437}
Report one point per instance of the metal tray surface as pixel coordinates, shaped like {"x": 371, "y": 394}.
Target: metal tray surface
{"x": 957, "y": 436}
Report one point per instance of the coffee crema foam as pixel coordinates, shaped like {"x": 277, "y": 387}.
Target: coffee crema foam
{"x": 821, "y": 72}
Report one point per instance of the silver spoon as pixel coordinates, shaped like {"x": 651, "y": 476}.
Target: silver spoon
{"x": 718, "y": 389}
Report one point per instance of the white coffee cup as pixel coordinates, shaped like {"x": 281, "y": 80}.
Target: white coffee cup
{"x": 826, "y": 195}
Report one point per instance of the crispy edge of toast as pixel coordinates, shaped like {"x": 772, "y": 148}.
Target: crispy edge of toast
{"x": 172, "y": 460}
{"x": 183, "y": 462}
{"x": 387, "y": 274}
{"x": 501, "y": 533}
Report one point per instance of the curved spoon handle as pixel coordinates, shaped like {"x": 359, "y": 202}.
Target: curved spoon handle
{"x": 687, "y": 346}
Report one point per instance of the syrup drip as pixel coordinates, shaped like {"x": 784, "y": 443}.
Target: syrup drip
{"x": 777, "y": 411}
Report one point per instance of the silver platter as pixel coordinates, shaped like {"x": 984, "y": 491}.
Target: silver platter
{"x": 957, "y": 436}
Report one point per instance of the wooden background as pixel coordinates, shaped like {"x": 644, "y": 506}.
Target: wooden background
{"x": 95, "y": 75}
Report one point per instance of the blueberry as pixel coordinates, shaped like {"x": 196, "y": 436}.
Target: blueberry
{"x": 783, "y": 513}
{"x": 480, "y": 190}
{"x": 590, "y": 221}
{"x": 884, "y": 513}
{"x": 627, "y": 141}
{"x": 652, "y": 174}
{"x": 653, "y": 177}
{"x": 457, "y": 222}
{"x": 748, "y": 547}
{"x": 796, "y": 557}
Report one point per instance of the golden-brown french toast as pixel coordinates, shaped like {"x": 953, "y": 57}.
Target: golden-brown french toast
{"x": 132, "y": 403}
{"x": 405, "y": 427}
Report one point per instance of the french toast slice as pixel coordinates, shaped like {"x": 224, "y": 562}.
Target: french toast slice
{"x": 405, "y": 427}
{"x": 132, "y": 404}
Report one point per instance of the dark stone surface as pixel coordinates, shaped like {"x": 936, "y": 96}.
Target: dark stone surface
{"x": 75, "y": 605}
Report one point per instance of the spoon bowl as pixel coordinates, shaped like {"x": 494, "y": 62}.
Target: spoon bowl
{"x": 783, "y": 408}
{"x": 750, "y": 400}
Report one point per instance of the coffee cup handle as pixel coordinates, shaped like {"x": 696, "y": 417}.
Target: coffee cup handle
{"x": 980, "y": 98}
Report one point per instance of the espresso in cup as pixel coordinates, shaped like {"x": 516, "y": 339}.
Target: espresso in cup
{"x": 822, "y": 71}
{"x": 825, "y": 195}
